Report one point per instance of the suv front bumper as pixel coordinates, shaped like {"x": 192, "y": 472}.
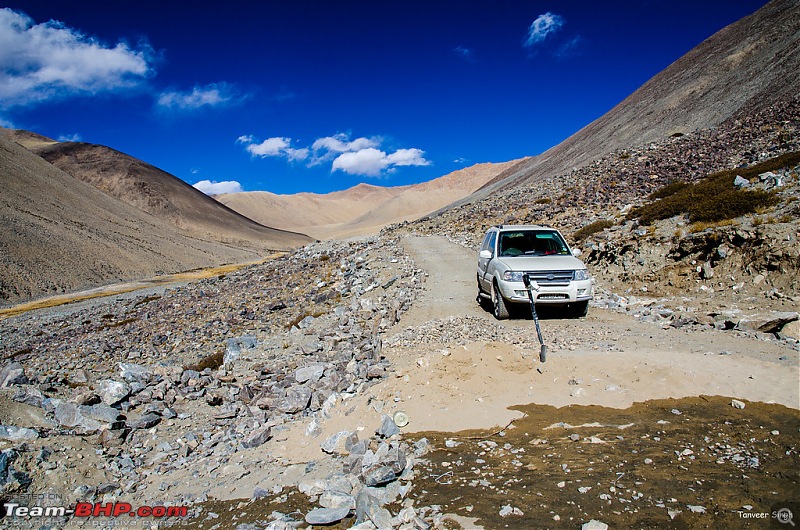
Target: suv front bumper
{"x": 575, "y": 291}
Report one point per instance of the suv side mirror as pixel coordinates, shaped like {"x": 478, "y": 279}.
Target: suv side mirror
{"x": 485, "y": 254}
{"x": 576, "y": 252}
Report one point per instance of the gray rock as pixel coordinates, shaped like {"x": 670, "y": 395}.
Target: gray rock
{"x": 112, "y": 392}
{"x": 380, "y": 474}
{"x": 768, "y": 323}
{"x": 112, "y": 437}
{"x": 369, "y": 508}
{"x": 232, "y": 352}
{"x": 12, "y": 374}
{"x": 259, "y": 493}
{"x": 421, "y": 447}
{"x": 101, "y": 412}
{"x": 313, "y": 372}
{"x": 326, "y": 515}
{"x": 594, "y": 524}
{"x": 145, "y": 421}
{"x": 388, "y": 427}
{"x": 337, "y": 499}
{"x": 11, "y": 480}
{"x": 132, "y": 372}
{"x": 29, "y": 395}
{"x": 740, "y": 182}
{"x": 17, "y": 434}
{"x": 336, "y": 443}
{"x": 69, "y": 415}
{"x": 258, "y": 437}
{"x": 79, "y": 377}
{"x": 296, "y": 400}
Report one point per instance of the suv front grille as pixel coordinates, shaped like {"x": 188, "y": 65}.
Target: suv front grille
{"x": 551, "y": 277}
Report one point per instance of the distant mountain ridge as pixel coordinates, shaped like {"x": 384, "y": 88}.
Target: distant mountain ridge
{"x": 362, "y": 209}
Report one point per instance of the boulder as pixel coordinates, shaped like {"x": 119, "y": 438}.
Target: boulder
{"x": 12, "y": 374}
{"x": 767, "y": 323}
{"x": 296, "y": 400}
{"x": 312, "y": 372}
{"x": 132, "y": 372}
{"x": 324, "y": 516}
{"x": 17, "y": 434}
{"x": 258, "y": 437}
{"x": 112, "y": 392}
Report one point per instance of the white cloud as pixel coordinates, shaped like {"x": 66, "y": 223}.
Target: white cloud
{"x": 341, "y": 143}
{"x": 213, "y": 95}
{"x": 368, "y": 162}
{"x": 70, "y": 138}
{"x": 46, "y": 61}
{"x": 543, "y": 26}
{"x": 215, "y": 188}
{"x": 408, "y": 157}
{"x": 8, "y": 124}
{"x": 273, "y": 147}
{"x": 360, "y": 156}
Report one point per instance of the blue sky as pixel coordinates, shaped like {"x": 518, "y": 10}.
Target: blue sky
{"x": 319, "y": 95}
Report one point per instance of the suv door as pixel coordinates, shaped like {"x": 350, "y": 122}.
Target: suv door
{"x": 484, "y": 278}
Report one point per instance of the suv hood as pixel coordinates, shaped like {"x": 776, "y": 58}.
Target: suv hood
{"x": 542, "y": 263}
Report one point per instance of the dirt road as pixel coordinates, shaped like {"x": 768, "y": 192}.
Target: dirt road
{"x": 460, "y": 368}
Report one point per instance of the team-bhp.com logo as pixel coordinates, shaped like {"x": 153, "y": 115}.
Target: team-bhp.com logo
{"x": 97, "y": 509}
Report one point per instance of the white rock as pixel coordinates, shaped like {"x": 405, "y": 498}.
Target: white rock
{"x": 735, "y": 403}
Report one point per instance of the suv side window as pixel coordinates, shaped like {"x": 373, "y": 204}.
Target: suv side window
{"x": 485, "y": 244}
{"x": 492, "y": 240}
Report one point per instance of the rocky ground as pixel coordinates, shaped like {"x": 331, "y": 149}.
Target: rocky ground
{"x": 359, "y": 384}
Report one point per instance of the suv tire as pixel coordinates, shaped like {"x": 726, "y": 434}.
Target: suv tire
{"x": 579, "y": 309}
{"x": 500, "y": 309}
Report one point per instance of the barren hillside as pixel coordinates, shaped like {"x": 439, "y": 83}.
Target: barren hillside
{"x": 748, "y": 65}
{"x": 60, "y": 234}
{"x": 156, "y": 192}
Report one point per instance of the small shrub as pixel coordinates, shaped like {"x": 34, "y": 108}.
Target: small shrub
{"x": 712, "y": 199}
{"x": 700, "y": 225}
{"x": 212, "y": 361}
{"x": 670, "y": 189}
{"x": 545, "y": 200}
{"x": 591, "y": 228}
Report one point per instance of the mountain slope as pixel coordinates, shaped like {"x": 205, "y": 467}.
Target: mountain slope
{"x": 748, "y": 65}
{"x": 362, "y": 209}
{"x": 156, "y": 192}
{"x": 60, "y": 234}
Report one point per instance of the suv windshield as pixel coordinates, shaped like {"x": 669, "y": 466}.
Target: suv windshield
{"x": 531, "y": 243}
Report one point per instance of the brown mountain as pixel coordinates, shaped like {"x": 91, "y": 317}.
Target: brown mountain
{"x": 61, "y": 234}
{"x": 156, "y": 192}
{"x": 362, "y": 209}
{"x": 748, "y": 65}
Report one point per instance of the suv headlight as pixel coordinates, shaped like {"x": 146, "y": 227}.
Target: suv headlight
{"x": 511, "y": 276}
{"x": 582, "y": 274}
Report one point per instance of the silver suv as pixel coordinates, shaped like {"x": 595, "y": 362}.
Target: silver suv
{"x": 510, "y": 251}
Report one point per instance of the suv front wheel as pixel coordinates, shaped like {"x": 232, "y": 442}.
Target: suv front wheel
{"x": 500, "y": 309}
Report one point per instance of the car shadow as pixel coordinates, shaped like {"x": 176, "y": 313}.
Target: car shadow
{"x": 544, "y": 312}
